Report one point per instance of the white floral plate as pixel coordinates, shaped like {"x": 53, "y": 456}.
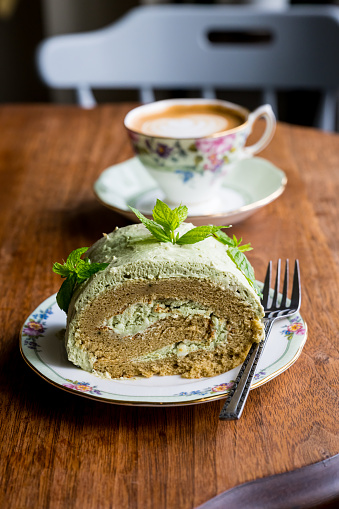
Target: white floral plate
{"x": 252, "y": 184}
{"x": 42, "y": 347}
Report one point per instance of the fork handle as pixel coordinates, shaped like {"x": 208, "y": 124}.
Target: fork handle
{"x": 236, "y": 400}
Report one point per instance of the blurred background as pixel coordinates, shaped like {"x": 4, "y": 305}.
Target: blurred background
{"x": 24, "y": 24}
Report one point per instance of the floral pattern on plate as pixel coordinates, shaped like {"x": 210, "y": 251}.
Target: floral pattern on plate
{"x": 82, "y": 387}
{"x": 35, "y": 327}
{"x": 295, "y": 327}
{"x": 224, "y": 388}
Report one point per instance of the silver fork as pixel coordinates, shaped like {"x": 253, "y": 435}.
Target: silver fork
{"x": 236, "y": 400}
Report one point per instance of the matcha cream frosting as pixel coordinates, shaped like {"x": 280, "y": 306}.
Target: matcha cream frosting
{"x": 134, "y": 254}
{"x": 160, "y": 308}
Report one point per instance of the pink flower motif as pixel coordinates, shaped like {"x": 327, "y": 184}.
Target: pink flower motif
{"x": 213, "y": 163}
{"x": 82, "y": 387}
{"x": 33, "y": 328}
{"x": 214, "y": 159}
{"x": 222, "y": 387}
{"x": 297, "y": 328}
{"x": 216, "y": 146}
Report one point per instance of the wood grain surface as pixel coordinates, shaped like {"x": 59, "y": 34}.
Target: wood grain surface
{"x": 59, "y": 450}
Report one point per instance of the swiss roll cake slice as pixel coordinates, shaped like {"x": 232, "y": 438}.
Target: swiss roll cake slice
{"x": 162, "y": 309}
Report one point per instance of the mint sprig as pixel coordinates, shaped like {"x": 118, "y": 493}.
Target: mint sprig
{"x": 166, "y": 221}
{"x": 236, "y": 252}
{"x": 76, "y": 270}
{"x": 198, "y": 234}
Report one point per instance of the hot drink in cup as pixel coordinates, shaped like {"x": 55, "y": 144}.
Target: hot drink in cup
{"x": 188, "y": 145}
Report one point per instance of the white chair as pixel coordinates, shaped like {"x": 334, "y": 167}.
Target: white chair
{"x": 206, "y": 47}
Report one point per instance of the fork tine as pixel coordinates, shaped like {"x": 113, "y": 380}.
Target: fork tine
{"x": 267, "y": 285}
{"x": 236, "y": 400}
{"x": 285, "y": 288}
{"x": 296, "y": 290}
{"x": 276, "y": 288}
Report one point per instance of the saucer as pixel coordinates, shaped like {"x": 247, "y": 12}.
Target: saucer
{"x": 252, "y": 184}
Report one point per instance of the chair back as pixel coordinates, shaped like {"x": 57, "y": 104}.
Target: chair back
{"x": 205, "y": 47}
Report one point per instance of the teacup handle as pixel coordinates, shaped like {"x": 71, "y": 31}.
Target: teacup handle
{"x": 266, "y": 112}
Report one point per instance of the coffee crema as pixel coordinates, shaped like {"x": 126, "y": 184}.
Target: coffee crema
{"x": 187, "y": 121}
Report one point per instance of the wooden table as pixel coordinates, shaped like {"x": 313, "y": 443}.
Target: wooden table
{"x": 62, "y": 451}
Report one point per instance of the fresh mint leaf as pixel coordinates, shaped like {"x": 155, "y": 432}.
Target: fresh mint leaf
{"x": 241, "y": 261}
{"x": 74, "y": 257}
{"x": 86, "y": 270}
{"x": 168, "y": 218}
{"x": 225, "y": 239}
{"x": 166, "y": 221}
{"x": 182, "y": 213}
{"x": 76, "y": 271}
{"x": 236, "y": 252}
{"x": 96, "y": 267}
{"x": 236, "y": 241}
{"x": 244, "y": 266}
{"x": 245, "y": 247}
{"x": 198, "y": 234}
{"x": 66, "y": 291}
{"x": 162, "y": 215}
{"x": 62, "y": 270}
{"x": 156, "y": 230}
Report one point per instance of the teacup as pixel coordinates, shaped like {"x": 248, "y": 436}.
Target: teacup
{"x": 188, "y": 145}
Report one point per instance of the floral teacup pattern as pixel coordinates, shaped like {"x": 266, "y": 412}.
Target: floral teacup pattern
{"x": 189, "y": 170}
{"x": 195, "y": 156}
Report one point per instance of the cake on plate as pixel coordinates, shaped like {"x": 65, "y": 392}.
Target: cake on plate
{"x": 158, "y": 308}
